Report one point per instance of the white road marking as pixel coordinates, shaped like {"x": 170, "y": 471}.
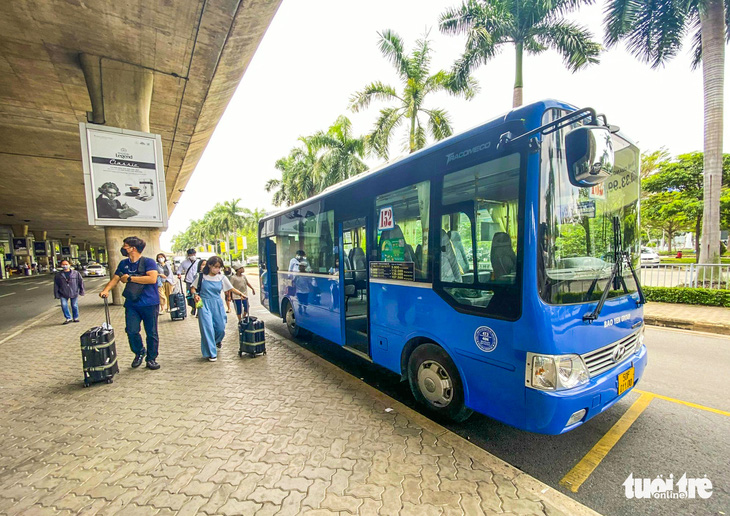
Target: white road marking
{"x": 31, "y": 288}
{"x": 5, "y": 295}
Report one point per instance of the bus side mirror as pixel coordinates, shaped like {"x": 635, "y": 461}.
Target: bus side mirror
{"x": 589, "y": 154}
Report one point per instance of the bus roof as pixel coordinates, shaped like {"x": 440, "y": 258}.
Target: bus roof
{"x": 520, "y": 113}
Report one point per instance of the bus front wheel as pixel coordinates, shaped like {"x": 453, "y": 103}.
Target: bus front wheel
{"x": 291, "y": 321}
{"x": 435, "y": 382}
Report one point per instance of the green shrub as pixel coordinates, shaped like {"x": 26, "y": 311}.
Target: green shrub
{"x": 690, "y": 296}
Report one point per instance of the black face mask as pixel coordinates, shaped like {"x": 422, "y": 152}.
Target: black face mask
{"x": 124, "y": 252}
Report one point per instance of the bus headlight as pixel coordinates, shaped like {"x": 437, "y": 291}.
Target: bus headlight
{"x": 555, "y": 372}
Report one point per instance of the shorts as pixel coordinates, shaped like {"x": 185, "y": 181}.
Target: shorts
{"x": 241, "y": 303}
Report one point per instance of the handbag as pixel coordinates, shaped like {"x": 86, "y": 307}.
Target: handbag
{"x": 133, "y": 291}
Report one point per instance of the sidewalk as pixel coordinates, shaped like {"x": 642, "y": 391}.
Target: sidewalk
{"x": 711, "y": 319}
{"x": 285, "y": 433}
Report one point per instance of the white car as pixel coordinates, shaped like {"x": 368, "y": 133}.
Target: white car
{"x": 649, "y": 257}
{"x": 252, "y": 260}
{"x": 94, "y": 269}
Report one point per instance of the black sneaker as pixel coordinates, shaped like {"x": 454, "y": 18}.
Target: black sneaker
{"x": 76, "y": 320}
{"x": 151, "y": 364}
{"x": 138, "y": 360}
{"x": 218, "y": 345}
{"x": 67, "y": 321}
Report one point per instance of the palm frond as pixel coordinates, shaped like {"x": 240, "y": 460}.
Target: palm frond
{"x": 373, "y": 91}
{"x": 653, "y": 30}
{"x": 439, "y": 124}
{"x": 391, "y": 46}
{"x": 572, "y": 41}
{"x": 697, "y": 43}
{"x": 379, "y": 138}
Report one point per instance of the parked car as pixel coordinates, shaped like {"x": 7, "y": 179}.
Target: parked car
{"x": 94, "y": 269}
{"x": 649, "y": 257}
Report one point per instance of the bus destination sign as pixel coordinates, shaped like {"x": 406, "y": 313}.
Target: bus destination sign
{"x": 404, "y": 271}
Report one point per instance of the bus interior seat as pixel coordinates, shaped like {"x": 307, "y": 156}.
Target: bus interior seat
{"x": 449, "y": 266}
{"x": 359, "y": 263}
{"x": 502, "y": 255}
{"x": 350, "y": 290}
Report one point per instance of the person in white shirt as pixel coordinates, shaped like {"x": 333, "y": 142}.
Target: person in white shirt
{"x": 187, "y": 271}
{"x": 207, "y": 287}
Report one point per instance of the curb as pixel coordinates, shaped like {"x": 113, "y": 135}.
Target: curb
{"x": 683, "y": 324}
{"x": 551, "y": 497}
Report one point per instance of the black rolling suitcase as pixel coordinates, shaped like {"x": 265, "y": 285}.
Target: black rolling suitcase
{"x": 99, "y": 352}
{"x": 251, "y": 337}
{"x": 178, "y": 308}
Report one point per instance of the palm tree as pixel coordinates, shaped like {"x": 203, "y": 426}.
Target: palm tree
{"x": 655, "y": 34}
{"x": 343, "y": 153}
{"x": 532, "y": 26}
{"x": 413, "y": 73}
{"x": 299, "y": 172}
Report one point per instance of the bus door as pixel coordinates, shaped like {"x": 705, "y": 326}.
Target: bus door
{"x": 353, "y": 257}
{"x": 269, "y": 287}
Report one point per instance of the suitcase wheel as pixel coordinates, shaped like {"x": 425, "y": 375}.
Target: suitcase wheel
{"x": 240, "y": 354}
{"x": 110, "y": 380}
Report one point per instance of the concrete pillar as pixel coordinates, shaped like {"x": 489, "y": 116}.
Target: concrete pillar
{"x": 125, "y": 91}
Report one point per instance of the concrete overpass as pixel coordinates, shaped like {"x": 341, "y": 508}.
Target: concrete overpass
{"x": 163, "y": 66}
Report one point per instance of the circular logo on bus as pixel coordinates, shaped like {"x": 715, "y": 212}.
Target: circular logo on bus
{"x": 485, "y": 339}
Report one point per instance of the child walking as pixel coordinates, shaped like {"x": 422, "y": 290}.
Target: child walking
{"x": 241, "y": 283}
{"x": 207, "y": 287}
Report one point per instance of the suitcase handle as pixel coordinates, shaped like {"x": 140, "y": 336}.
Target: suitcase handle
{"x": 106, "y": 311}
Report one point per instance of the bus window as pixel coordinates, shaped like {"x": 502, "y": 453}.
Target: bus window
{"x": 402, "y": 230}
{"x": 304, "y": 230}
{"x": 479, "y": 232}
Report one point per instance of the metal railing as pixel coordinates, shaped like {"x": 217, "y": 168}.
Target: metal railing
{"x": 692, "y": 275}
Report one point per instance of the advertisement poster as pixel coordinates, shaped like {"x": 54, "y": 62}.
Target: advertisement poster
{"x": 20, "y": 246}
{"x": 40, "y": 248}
{"x": 65, "y": 250}
{"x": 124, "y": 177}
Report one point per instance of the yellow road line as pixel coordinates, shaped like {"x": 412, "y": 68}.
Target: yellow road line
{"x": 581, "y": 471}
{"x": 688, "y": 403}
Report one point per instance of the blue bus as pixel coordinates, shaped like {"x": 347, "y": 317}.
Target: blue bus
{"x": 494, "y": 270}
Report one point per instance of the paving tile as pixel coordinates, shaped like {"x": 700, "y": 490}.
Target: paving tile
{"x": 200, "y": 438}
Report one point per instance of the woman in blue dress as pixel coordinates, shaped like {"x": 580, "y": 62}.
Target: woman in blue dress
{"x": 207, "y": 286}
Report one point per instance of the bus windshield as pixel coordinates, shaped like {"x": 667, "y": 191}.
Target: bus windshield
{"x": 576, "y": 240}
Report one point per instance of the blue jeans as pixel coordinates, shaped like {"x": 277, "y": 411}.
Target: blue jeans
{"x": 134, "y": 315}
{"x": 74, "y": 307}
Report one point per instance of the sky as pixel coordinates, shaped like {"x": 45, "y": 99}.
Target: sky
{"x": 316, "y": 54}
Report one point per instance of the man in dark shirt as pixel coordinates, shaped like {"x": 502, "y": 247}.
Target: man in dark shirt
{"x": 145, "y": 308}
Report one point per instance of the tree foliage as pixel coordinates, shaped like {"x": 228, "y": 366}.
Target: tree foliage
{"x": 532, "y": 26}
{"x": 221, "y": 224}
{"x": 319, "y": 161}
{"x": 414, "y": 73}
{"x": 674, "y": 195}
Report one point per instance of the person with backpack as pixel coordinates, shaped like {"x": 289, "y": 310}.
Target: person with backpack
{"x": 165, "y": 282}
{"x": 68, "y": 285}
{"x": 206, "y": 288}
{"x": 142, "y": 300}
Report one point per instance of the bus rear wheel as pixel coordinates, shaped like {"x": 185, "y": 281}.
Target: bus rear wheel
{"x": 291, "y": 321}
{"x": 436, "y": 384}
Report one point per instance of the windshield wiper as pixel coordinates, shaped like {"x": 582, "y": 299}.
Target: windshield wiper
{"x": 616, "y": 279}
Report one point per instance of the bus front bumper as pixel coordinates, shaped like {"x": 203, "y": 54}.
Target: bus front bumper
{"x": 549, "y": 412}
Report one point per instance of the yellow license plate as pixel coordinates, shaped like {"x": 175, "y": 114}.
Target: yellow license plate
{"x": 625, "y": 381}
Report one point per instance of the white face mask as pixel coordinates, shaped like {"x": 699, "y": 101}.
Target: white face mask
{"x": 161, "y": 260}
{"x": 66, "y": 267}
